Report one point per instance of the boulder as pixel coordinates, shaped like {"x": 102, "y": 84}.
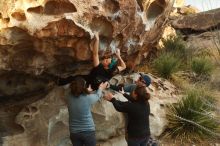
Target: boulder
{"x": 45, "y": 39}
{"x": 168, "y": 32}
{"x": 207, "y": 43}
{"x": 201, "y": 32}
{"x": 53, "y": 36}
{"x": 199, "y": 22}
{"x": 187, "y": 10}
{"x": 45, "y": 122}
{"x": 179, "y": 3}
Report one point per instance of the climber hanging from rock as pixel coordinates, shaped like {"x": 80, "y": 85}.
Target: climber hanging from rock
{"x": 106, "y": 68}
{"x": 103, "y": 70}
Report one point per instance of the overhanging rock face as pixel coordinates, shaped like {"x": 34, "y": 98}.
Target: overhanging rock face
{"x": 46, "y": 38}
{"x": 53, "y": 36}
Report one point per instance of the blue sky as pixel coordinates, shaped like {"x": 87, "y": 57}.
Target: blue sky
{"x": 204, "y": 5}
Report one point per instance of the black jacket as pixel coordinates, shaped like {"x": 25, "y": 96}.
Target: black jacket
{"x": 138, "y": 116}
{"x": 99, "y": 74}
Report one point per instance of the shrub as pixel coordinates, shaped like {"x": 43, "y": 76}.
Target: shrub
{"x": 191, "y": 118}
{"x": 201, "y": 66}
{"x": 202, "y": 52}
{"x": 176, "y": 46}
{"x": 216, "y": 41}
{"x": 166, "y": 64}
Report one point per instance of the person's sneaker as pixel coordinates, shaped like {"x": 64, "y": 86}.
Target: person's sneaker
{"x": 152, "y": 142}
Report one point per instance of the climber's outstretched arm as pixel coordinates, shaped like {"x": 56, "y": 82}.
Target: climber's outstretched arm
{"x": 94, "y": 46}
{"x": 122, "y": 65}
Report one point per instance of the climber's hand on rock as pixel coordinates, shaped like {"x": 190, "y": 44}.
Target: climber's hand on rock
{"x": 97, "y": 35}
{"x": 118, "y": 53}
{"x": 93, "y": 42}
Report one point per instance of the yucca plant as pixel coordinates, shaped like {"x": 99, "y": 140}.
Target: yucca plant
{"x": 201, "y": 66}
{"x": 166, "y": 64}
{"x": 191, "y": 119}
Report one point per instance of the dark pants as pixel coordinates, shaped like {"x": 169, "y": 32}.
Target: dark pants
{"x": 85, "y": 138}
{"x": 137, "y": 142}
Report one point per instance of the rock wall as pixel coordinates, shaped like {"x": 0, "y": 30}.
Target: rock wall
{"x": 199, "y": 22}
{"x": 43, "y": 39}
{"x": 179, "y": 3}
{"x": 53, "y": 36}
{"x": 201, "y": 31}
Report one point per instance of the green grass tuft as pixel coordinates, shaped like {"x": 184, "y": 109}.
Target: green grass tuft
{"x": 201, "y": 66}
{"x": 176, "y": 46}
{"x": 166, "y": 64}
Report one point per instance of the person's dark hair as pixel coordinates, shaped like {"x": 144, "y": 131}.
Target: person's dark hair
{"x": 78, "y": 87}
{"x": 106, "y": 56}
{"x": 142, "y": 94}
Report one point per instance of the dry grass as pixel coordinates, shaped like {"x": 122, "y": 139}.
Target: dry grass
{"x": 143, "y": 68}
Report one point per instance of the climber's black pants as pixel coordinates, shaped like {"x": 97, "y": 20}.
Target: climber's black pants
{"x": 85, "y": 138}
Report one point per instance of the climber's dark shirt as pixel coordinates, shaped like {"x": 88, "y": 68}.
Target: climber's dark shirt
{"x": 99, "y": 74}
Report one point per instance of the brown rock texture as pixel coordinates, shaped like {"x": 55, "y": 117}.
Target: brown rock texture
{"x": 187, "y": 10}
{"x": 201, "y": 31}
{"x": 47, "y": 38}
{"x": 179, "y": 3}
{"x": 49, "y": 35}
{"x": 199, "y": 22}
